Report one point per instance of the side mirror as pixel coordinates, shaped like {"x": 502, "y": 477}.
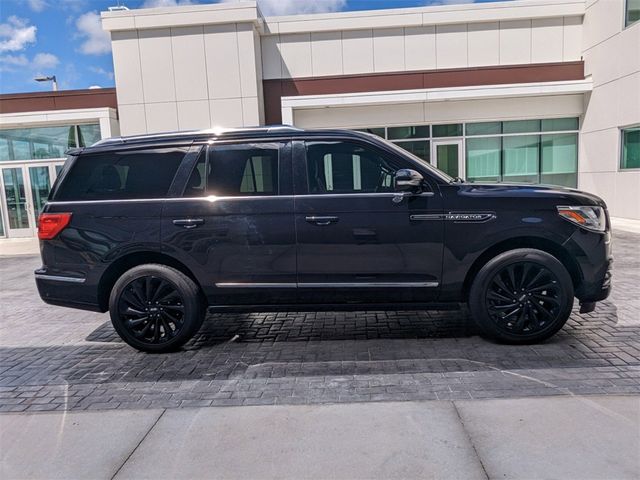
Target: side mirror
{"x": 408, "y": 180}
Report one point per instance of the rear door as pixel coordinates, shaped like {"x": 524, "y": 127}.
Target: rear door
{"x": 358, "y": 241}
{"x": 232, "y": 224}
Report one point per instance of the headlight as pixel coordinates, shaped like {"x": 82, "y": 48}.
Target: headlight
{"x": 591, "y": 218}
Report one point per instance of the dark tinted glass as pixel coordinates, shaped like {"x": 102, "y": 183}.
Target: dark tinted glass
{"x": 398, "y": 133}
{"x": 197, "y": 181}
{"x": 121, "y": 175}
{"x": 240, "y": 170}
{"x": 448, "y": 130}
{"x": 344, "y": 167}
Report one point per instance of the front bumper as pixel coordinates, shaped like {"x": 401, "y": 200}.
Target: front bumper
{"x": 593, "y": 254}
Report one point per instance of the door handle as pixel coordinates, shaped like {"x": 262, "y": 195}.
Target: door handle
{"x": 322, "y": 221}
{"x": 188, "y": 222}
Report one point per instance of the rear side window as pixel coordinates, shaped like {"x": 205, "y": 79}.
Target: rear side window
{"x": 121, "y": 175}
{"x": 236, "y": 170}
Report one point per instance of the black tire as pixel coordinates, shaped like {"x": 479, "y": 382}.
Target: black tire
{"x": 521, "y": 296}
{"x": 156, "y": 308}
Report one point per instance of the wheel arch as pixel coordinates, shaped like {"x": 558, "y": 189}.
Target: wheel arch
{"x": 543, "y": 244}
{"x": 126, "y": 262}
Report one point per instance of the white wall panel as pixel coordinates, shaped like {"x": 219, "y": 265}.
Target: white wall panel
{"x": 353, "y": 117}
{"x": 226, "y": 112}
{"x": 133, "y": 120}
{"x": 546, "y": 40}
{"x": 271, "y": 58}
{"x": 451, "y": 46}
{"x": 572, "y": 39}
{"x": 357, "y": 51}
{"x": 190, "y": 66}
{"x": 223, "y": 68}
{"x": 515, "y": 42}
{"x": 388, "y": 50}
{"x": 161, "y": 117}
{"x": 326, "y": 53}
{"x": 602, "y": 20}
{"x": 194, "y": 115}
{"x": 420, "y": 48}
{"x": 483, "y": 43}
{"x": 157, "y": 65}
{"x": 126, "y": 67}
{"x": 296, "y": 55}
{"x": 248, "y": 59}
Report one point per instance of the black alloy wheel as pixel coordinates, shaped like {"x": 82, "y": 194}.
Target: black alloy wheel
{"x": 521, "y": 296}
{"x": 156, "y": 308}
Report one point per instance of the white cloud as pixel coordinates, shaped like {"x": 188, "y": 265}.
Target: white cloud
{"x": 45, "y": 60}
{"x": 16, "y": 34}
{"x": 37, "y": 5}
{"x": 102, "y": 71}
{"x": 96, "y": 41}
{"x": 293, "y": 7}
{"x": 448, "y": 2}
{"x": 14, "y": 60}
{"x": 165, "y": 3}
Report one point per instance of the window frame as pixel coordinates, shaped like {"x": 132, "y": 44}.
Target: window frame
{"x": 625, "y": 15}
{"x": 621, "y": 131}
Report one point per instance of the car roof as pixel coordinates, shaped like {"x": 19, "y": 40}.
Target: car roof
{"x": 269, "y": 131}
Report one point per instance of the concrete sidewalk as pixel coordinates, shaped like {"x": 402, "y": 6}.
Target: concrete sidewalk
{"x": 560, "y": 437}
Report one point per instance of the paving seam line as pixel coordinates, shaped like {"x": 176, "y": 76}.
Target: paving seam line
{"x": 475, "y": 450}
{"x": 138, "y": 444}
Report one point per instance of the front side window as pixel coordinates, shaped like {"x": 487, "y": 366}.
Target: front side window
{"x": 630, "y": 154}
{"x": 347, "y": 167}
{"x": 236, "y": 171}
{"x": 127, "y": 174}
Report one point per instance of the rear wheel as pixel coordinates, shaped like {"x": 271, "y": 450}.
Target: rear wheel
{"x": 521, "y": 296}
{"x": 156, "y": 308}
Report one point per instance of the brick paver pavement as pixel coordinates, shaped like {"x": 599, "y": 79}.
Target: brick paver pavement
{"x": 61, "y": 359}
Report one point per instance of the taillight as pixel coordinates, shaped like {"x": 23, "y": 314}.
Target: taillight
{"x": 51, "y": 224}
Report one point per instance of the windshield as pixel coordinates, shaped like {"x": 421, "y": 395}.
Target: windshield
{"x": 406, "y": 153}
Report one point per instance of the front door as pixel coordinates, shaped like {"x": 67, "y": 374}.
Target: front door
{"x": 233, "y": 225}
{"x": 17, "y": 203}
{"x": 358, "y": 241}
{"x": 446, "y": 155}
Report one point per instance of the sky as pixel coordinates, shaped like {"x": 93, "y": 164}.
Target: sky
{"x": 64, "y": 37}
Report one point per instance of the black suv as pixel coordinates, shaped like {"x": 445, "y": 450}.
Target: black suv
{"x": 159, "y": 228}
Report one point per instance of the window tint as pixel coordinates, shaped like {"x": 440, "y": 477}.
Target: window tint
{"x": 243, "y": 170}
{"x": 345, "y": 167}
{"x": 121, "y": 175}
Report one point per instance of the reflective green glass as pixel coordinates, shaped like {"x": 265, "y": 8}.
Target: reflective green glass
{"x": 450, "y": 130}
{"x": 483, "y": 159}
{"x": 559, "y": 124}
{"x": 632, "y": 13}
{"x": 40, "y": 186}
{"x": 630, "y": 148}
{"x": 15, "y": 196}
{"x": 447, "y": 157}
{"x": 560, "y": 159}
{"x": 398, "y": 133}
{"x": 88, "y": 134}
{"x": 521, "y": 126}
{"x": 36, "y": 143}
{"x": 420, "y": 148}
{"x": 520, "y": 158}
{"x": 484, "y": 128}
{"x": 1, "y": 222}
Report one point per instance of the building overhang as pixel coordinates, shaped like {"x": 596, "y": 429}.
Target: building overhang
{"x": 448, "y": 94}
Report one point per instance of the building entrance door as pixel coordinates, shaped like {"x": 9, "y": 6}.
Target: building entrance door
{"x": 24, "y": 190}
{"x": 446, "y": 154}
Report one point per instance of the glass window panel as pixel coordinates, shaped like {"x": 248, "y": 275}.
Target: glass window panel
{"x": 88, "y": 134}
{"x": 484, "y": 128}
{"x": 521, "y": 126}
{"x": 447, "y": 158}
{"x": 560, "y": 160}
{"x": 632, "y": 13}
{"x": 239, "y": 170}
{"x": 559, "y": 124}
{"x": 379, "y": 131}
{"x": 36, "y": 143}
{"x": 630, "y": 148}
{"x": 520, "y": 158}
{"x": 398, "y": 133}
{"x": 40, "y": 186}
{"x": 15, "y": 196}
{"x": 2, "y": 234}
{"x": 483, "y": 159}
{"x": 450, "y": 130}
{"x": 420, "y": 148}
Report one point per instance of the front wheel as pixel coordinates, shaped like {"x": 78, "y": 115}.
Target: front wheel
{"x": 156, "y": 308}
{"x": 521, "y": 296}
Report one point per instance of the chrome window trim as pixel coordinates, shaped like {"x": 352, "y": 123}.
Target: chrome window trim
{"x": 59, "y": 278}
{"x": 328, "y": 285}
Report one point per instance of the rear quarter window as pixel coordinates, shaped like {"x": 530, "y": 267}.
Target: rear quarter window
{"x": 121, "y": 175}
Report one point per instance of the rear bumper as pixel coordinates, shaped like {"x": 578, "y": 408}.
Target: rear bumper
{"x": 66, "y": 289}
